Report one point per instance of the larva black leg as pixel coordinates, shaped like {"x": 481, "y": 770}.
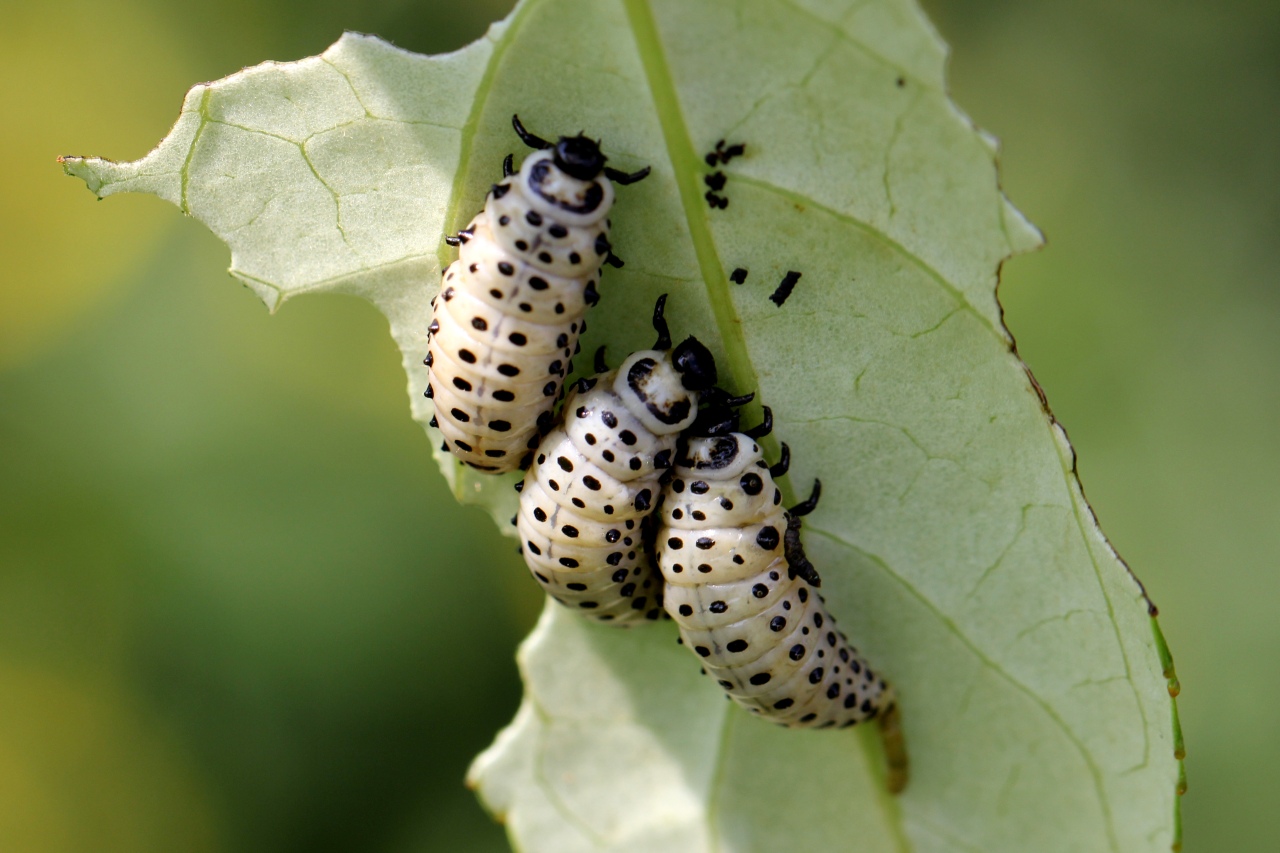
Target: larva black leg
{"x": 797, "y": 562}
{"x": 508, "y": 166}
{"x": 783, "y": 464}
{"x": 807, "y": 506}
{"x": 453, "y": 240}
{"x": 660, "y": 324}
{"x": 466, "y": 234}
{"x": 623, "y": 178}
{"x": 601, "y": 366}
{"x": 614, "y": 261}
{"x": 765, "y": 427}
{"x": 526, "y": 137}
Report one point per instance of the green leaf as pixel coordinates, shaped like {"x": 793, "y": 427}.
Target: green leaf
{"x": 955, "y": 544}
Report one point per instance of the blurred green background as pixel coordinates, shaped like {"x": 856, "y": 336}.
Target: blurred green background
{"x": 238, "y": 608}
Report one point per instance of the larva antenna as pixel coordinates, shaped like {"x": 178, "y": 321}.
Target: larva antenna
{"x": 530, "y": 139}
{"x": 660, "y": 324}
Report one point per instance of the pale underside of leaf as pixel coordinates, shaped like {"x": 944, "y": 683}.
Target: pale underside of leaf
{"x": 955, "y": 544}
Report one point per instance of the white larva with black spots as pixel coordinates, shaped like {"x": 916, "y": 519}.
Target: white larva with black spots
{"x": 587, "y": 502}
{"x": 740, "y": 589}
{"x": 511, "y": 308}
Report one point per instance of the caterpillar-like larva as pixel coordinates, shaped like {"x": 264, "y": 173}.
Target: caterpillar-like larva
{"x": 587, "y": 502}
{"x": 511, "y": 309}
{"x": 742, "y": 591}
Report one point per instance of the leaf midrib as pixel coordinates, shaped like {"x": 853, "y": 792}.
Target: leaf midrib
{"x": 685, "y": 164}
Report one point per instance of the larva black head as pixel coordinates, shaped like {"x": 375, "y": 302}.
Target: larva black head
{"x": 695, "y": 364}
{"x": 579, "y": 157}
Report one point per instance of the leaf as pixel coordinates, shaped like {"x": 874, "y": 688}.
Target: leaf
{"x": 955, "y": 544}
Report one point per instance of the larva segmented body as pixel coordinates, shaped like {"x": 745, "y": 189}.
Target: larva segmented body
{"x": 511, "y": 308}
{"x": 739, "y": 587}
{"x": 587, "y": 502}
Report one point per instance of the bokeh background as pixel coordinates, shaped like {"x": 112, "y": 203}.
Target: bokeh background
{"x": 239, "y": 610}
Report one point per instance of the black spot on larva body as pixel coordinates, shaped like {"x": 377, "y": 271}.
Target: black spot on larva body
{"x": 699, "y": 487}
{"x": 460, "y": 415}
{"x": 539, "y": 513}
{"x": 534, "y": 548}
{"x": 704, "y": 568}
{"x": 797, "y": 651}
{"x": 564, "y": 463}
{"x": 777, "y": 623}
{"x": 577, "y": 587}
{"x": 591, "y": 483}
{"x": 675, "y": 543}
{"x": 555, "y": 487}
{"x": 614, "y": 558}
{"x": 479, "y": 324}
{"x": 609, "y": 419}
{"x": 508, "y": 370}
{"x": 533, "y": 218}
{"x": 517, "y": 339}
{"x": 816, "y": 675}
{"x": 761, "y": 678}
{"x": 817, "y": 620}
{"x": 500, "y": 426}
{"x": 503, "y": 395}
{"x": 784, "y": 704}
{"x": 773, "y": 576}
{"x": 833, "y": 691}
{"x": 635, "y": 464}
{"x": 803, "y": 595}
{"x": 759, "y": 590}
{"x": 608, "y": 509}
{"x": 522, "y": 245}
{"x": 540, "y": 576}
{"x": 627, "y": 590}
{"x": 558, "y": 231}
{"x": 768, "y": 538}
{"x": 686, "y": 610}
{"x": 525, "y": 307}
{"x": 607, "y": 455}
{"x": 461, "y": 384}
{"x": 495, "y": 293}
{"x": 808, "y": 718}
{"x": 677, "y": 513}
{"x": 569, "y": 562}
{"x": 751, "y": 483}
{"x": 462, "y": 445}
{"x": 549, "y": 390}
{"x": 736, "y": 646}
{"x": 612, "y": 535}
{"x": 851, "y": 700}
{"x": 643, "y": 500}
{"x": 628, "y": 437}
{"x": 698, "y": 515}
{"x": 702, "y": 650}
{"x": 619, "y": 576}
{"x": 504, "y": 220}
{"x": 570, "y": 531}
{"x": 588, "y": 605}
{"x": 705, "y": 543}
{"x": 718, "y": 607}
